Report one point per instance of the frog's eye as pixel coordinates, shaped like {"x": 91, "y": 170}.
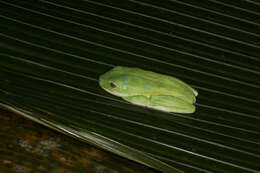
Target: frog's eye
{"x": 113, "y": 85}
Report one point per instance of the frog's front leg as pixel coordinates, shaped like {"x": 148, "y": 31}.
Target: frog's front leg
{"x": 138, "y": 99}
{"x": 170, "y": 104}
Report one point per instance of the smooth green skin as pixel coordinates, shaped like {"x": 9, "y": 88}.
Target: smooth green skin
{"x": 149, "y": 89}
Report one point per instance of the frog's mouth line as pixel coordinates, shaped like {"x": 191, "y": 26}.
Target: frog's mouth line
{"x": 115, "y": 94}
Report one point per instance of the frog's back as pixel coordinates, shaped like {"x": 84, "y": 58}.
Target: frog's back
{"x": 148, "y": 75}
{"x": 164, "y": 80}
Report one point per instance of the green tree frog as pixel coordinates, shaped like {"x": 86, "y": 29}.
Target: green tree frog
{"x": 150, "y": 89}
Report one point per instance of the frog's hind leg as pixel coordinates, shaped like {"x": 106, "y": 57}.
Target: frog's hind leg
{"x": 171, "y": 104}
{"x": 182, "y": 84}
{"x": 190, "y": 98}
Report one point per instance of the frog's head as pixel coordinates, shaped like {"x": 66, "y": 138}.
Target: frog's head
{"x": 115, "y": 82}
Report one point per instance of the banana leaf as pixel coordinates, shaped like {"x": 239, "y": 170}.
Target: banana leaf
{"x": 52, "y": 53}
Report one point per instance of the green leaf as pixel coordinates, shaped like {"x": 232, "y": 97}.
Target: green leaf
{"x": 52, "y": 53}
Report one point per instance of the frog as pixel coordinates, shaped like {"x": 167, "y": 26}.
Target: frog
{"x": 150, "y": 89}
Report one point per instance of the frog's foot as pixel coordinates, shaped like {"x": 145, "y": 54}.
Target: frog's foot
{"x": 171, "y": 104}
